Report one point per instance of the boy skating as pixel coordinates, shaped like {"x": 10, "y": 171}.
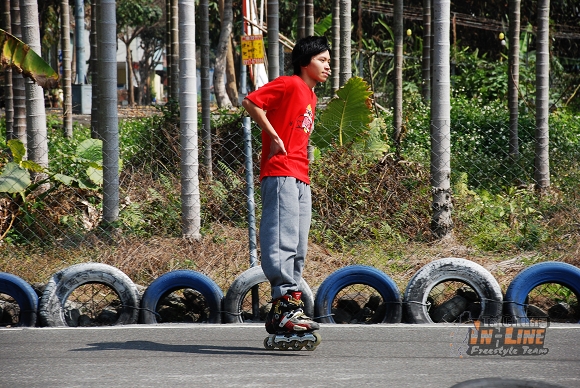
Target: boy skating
{"x": 284, "y": 109}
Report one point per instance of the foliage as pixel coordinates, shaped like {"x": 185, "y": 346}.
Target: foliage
{"x": 496, "y": 208}
{"x": 17, "y": 54}
{"x": 565, "y": 148}
{"x": 363, "y": 200}
{"x": 499, "y": 222}
{"x": 76, "y": 161}
{"x": 157, "y": 165}
{"x": 347, "y": 116}
{"x": 15, "y": 177}
{"x": 153, "y": 143}
{"x": 479, "y": 78}
{"x": 74, "y": 174}
{"x": 323, "y": 26}
{"x": 33, "y": 204}
{"x": 157, "y": 213}
{"x": 133, "y": 14}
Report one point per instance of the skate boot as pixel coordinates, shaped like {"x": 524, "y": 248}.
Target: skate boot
{"x": 289, "y": 327}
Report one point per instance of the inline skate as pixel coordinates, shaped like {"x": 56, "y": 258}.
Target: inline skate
{"x": 289, "y": 327}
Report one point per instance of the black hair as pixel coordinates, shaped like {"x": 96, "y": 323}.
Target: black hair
{"x": 305, "y": 49}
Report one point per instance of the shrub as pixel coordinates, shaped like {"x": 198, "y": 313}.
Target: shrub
{"x": 357, "y": 199}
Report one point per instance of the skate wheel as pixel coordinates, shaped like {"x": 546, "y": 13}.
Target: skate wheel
{"x": 312, "y": 345}
{"x": 284, "y": 345}
{"x": 296, "y": 345}
{"x": 267, "y": 344}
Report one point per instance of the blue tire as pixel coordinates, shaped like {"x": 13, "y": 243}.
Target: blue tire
{"x": 176, "y": 280}
{"x": 358, "y": 274}
{"x": 24, "y": 295}
{"x": 549, "y": 272}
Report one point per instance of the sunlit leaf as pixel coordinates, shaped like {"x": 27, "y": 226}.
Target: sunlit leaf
{"x": 324, "y": 25}
{"x": 18, "y": 150}
{"x": 20, "y": 56}
{"x": 32, "y": 166}
{"x": 95, "y": 175}
{"x": 346, "y": 117}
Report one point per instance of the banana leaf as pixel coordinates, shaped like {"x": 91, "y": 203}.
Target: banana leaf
{"x": 347, "y": 116}
{"x": 20, "y": 56}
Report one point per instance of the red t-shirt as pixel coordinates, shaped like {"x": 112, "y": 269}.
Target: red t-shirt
{"x": 289, "y": 104}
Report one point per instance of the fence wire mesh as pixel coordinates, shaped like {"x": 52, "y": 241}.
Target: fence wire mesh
{"x": 372, "y": 202}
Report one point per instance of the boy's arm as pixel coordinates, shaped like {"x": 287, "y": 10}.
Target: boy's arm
{"x": 259, "y": 116}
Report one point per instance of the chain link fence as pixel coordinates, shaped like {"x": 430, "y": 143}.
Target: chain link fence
{"x": 372, "y": 203}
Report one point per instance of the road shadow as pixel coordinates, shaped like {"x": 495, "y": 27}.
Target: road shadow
{"x": 197, "y": 349}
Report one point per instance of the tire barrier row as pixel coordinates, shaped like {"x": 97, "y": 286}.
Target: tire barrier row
{"x": 62, "y": 304}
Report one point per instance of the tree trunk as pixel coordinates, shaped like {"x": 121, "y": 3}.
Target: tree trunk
{"x": 514, "y": 76}
{"x": 168, "y": 43}
{"x": 79, "y": 40}
{"x": 66, "y": 81}
{"x": 335, "y": 57}
{"x": 398, "y": 96}
{"x": 205, "y": 88}
{"x": 542, "y": 157}
{"x": 309, "y": 17}
{"x": 108, "y": 120}
{"x": 190, "y": 197}
{"x": 441, "y": 222}
{"x": 426, "y": 60}
{"x": 95, "y": 134}
{"x": 359, "y": 38}
{"x": 219, "y": 84}
{"x": 345, "y": 41}
{"x": 18, "y": 89}
{"x": 231, "y": 85}
{"x": 130, "y": 84}
{"x": 301, "y": 15}
{"x": 8, "y": 94}
{"x": 273, "y": 40}
{"x": 37, "y": 145}
{"x": 174, "y": 51}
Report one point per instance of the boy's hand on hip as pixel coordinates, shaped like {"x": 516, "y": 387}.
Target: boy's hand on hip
{"x": 277, "y": 147}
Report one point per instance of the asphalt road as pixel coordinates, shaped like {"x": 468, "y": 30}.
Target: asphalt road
{"x": 182, "y": 355}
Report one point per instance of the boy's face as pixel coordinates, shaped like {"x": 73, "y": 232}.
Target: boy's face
{"x": 319, "y": 67}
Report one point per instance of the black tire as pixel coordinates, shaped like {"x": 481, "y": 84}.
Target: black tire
{"x": 549, "y": 272}
{"x": 452, "y": 269}
{"x": 244, "y": 283}
{"x": 64, "y": 282}
{"x": 358, "y": 274}
{"x": 497, "y": 382}
{"x": 176, "y": 280}
{"x": 24, "y": 295}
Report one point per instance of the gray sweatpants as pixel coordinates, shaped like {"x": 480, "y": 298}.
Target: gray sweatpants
{"x": 286, "y": 213}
